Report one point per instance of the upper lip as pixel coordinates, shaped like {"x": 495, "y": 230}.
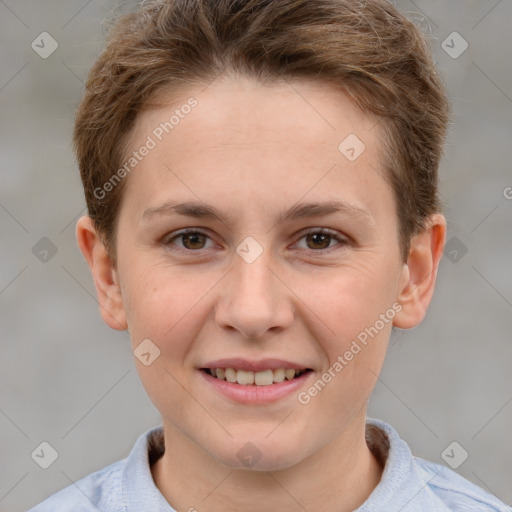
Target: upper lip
{"x": 254, "y": 366}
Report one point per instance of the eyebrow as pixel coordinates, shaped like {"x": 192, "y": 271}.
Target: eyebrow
{"x": 201, "y": 210}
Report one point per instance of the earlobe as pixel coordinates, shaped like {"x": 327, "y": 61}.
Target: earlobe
{"x": 419, "y": 274}
{"x": 103, "y": 272}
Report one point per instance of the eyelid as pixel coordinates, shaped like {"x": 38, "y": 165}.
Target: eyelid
{"x": 341, "y": 239}
{"x": 167, "y": 239}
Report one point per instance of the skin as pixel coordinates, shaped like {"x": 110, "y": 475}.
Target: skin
{"x": 252, "y": 151}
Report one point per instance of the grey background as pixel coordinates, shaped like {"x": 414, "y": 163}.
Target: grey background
{"x": 69, "y": 380}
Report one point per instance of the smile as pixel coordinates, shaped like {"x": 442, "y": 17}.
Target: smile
{"x": 260, "y": 378}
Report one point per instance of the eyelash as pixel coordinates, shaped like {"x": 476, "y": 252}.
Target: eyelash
{"x": 167, "y": 241}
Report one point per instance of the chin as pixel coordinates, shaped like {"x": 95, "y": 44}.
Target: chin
{"x": 260, "y": 454}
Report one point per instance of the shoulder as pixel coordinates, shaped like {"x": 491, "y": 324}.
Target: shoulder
{"x": 97, "y": 491}
{"x": 125, "y": 484}
{"x": 455, "y": 491}
{"x": 412, "y": 484}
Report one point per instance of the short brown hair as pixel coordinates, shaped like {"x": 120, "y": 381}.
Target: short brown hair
{"x": 366, "y": 47}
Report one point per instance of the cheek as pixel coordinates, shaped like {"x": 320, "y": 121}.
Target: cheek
{"x": 354, "y": 310}
{"x": 163, "y": 304}
{"x": 164, "y": 307}
{"x": 354, "y": 358}
{"x": 347, "y": 299}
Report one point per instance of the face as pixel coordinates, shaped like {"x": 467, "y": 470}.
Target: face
{"x": 264, "y": 282}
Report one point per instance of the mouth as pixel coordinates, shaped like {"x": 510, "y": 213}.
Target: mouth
{"x": 259, "y": 378}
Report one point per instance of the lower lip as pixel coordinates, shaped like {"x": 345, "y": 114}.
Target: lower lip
{"x": 256, "y": 394}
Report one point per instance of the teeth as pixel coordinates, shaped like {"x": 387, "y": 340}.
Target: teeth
{"x": 264, "y": 378}
{"x": 230, "y": 375}
{"x": 289, "y": 373}
{"x": 279, "y": 375}
{"x": 247, "y": 378}
{"x": 243, "y": 377}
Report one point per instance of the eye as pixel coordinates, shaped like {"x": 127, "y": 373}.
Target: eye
{"x": 320, "y": 239}
{"x": 192, "y": 239}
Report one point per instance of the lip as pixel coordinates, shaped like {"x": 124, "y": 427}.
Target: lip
{"x": 252, "y": 394}
{"x": 239, "y": 363}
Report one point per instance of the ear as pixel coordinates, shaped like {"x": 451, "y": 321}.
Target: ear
{"x": 103, "y": 272}
{"x": 419, "y": 273}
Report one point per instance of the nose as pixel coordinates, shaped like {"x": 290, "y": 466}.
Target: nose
{"x": 254, "y": 298}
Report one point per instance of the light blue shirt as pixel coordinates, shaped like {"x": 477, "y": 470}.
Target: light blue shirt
{"x": 408, "y": 484}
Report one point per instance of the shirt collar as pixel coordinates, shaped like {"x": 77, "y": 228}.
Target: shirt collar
{"x": 140, "y": 492}
{"x": 398, "y": 470}
{"x": 138, "y": 487}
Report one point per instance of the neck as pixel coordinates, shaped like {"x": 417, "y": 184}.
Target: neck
{"x": 341, "y": 476}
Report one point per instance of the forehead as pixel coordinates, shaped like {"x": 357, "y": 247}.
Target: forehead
{"x": 239, "y": 109}
{"x": 253, "y": 143}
